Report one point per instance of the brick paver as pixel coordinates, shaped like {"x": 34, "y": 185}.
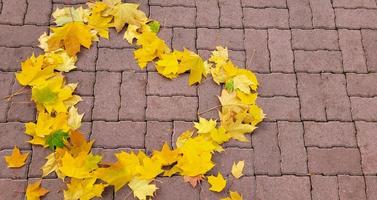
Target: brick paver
{"x": 316, "y": 62}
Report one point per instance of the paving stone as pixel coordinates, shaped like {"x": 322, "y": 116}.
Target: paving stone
{"x": 166, "y": 34}
{"x": 21, "y": 107}
{"x": 13, "y": 189}
{"x": 87, "y": 58}
{"x": 133, "y": 99}
{"x": 143, "y": 5}
{"x": 172, "y": 108}
{"x": 12, "y": 134}
{"x": 38, "y": 12}
{"x": 292, "y": 149}
{"x": 208, "y": 93}
{"x": 266, "y": 150}
{"x": 85, "y": 82}
{"x": 277, "y": 84}
{"x": 6, "y": 82}
{"x": 280, "y": 108}
{"x": 317, "y": 39}
{"x": 355, "y": 18}
{"x": 38, "y": 159}
{"x": 369, "y": 40}
{"x": 115, "y": 40}
{"x": 366, "y": 138}
{"x": 230, "y": 13}
{"x": 107, "y": 85}
{"x": 210, "y": 38}
{"x": 118, "y": 134}
{"x": 11, "y": 58}
{"x": 108, "y": 155}
{"x": 312, "y": 100}
{"x": 354, "y": 4}
{"x": 351, "y": 188}
{"x": 180, "y": 127}
{"x": 116, "y": 60}
{"x": 184, "y": 38}
{"x": 359, "y": 84}
{"x": 285, "y": 187}
{"x": 86, "y": 129}
{"x": 336, "y": 98}
{"x": 174, "y": 16}
{"x": 371, "y": 187}
{"x": 333, "y": 161}
{"x": 256, "y": 18}
{"x": 279, "y": 45}
{"x": 364, "y": 108}
{"x": 54, "y": 186}
{"x": 12, "y": 12}
{"x": 13, "y": 173}
{"x": 158, "y": 133}
{"x": 86, "y": 107}
{"x": 17, "y": 36}
{"x": 323, "y": 14}
{"x": 330, "y": 134}
{"x": 264, "y": 3}
{"x": 318, "y": 61}
{"x": 225, "y": 160}
{"x": 257, "y": 54}
{"x": 324, "y": 187}
{"x": 188, "y": 3}
{"x": 300, "y": 14}
{"x": 352, "y": 51}
{"x": 160, "y": 86}
{"x": 207, "y": 14}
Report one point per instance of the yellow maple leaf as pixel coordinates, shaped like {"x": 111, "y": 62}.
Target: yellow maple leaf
{"x": 74, "y": 118}
{"x": 34, "y": 191}
{"x": 60, "y": 60}
{"x": 131, "y": 33}
{"x": 127, "y": 13}
{"x": 193, "y": 62}
{"x": 78, "y": 144}
{"x": 219, "y": 135}
{"x": 233, "y": 196}
{"x": 142, "y": 188}
{"x": 69, "y": 14}
{"x": 100, "y": 23}
{"x": 16, "y": 159}
{"x": 166, "y": 156}
{"x": 70, "y": 36}
{"x": 80, "y": 166}
{"x": 237, "y": 169}
{"x": 149, "y": 169}
{"x": 51, "y": 165}
{"x": 47, "y": 124}
{"x": 242, "y": 83}
{"x": 168, "y": 65}
{"x": 204, "y": 125}
{"x": 83, "y": 189}
{"x": 218, "y": 182}
{"x": 230, "y": 102}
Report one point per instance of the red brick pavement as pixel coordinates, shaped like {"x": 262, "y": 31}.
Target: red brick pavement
{"x": 316, "y": 61}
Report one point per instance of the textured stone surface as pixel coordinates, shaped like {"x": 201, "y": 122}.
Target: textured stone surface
{"x": 324, "y": 187}
{"x": 368, "y": 149}
{"x": 351, "y": 187}
{"x": 317, "y": 39}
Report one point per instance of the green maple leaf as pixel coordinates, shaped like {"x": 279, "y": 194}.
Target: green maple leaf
{"x": 229, "y": 85}
{"x": 56, "y": 139}
{"x": 155, "y": 26}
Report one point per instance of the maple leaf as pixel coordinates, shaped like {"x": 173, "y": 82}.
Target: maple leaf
{"x": 34, "y": 72}
{"x": 230, "y": 102}
{"x": 154, "y": 26}
{"x": 168, "y": 65}
{"x": 195, "y": 64}
{"x": 70, "y": 36}
{"x": 78, "y": 144}
{"x": 166, "y": 156}
{"x": 183, "y": 138}
{"x": 16, "y": 159}
{"x": 149, "y": 169}
{"x": 50, "y": 165}
{"x": 233, "y": 196}
{"x": 142, "y": 188}
{"x": 204, "y": 125}
{"x": 242, "y": 83}
{"x": 60, "y": 60}
{"x": 83, "y": 189}
{"x": 57, "y": 139}
{"x": 80, "y": 166}
{"x": 101, "y": 24}
{"x": 34, "y": 191}
{"x": 219, "y": 56}
{"x": 238, "y": 168}
{"x": 70, "y": 14}
{"x": 218, "y": 182}
{"x": 128, "y": 13}
{"x": 193, "y": 180}
{"x": 74, "y": 118}
{"x": 248, "y": 99}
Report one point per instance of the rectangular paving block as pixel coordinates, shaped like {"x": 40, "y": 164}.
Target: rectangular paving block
{"x": 54, "y": 186}
{"x": 12, "y": 134}
{"x": 106, "y": 96}
{"x": 132, "y": 96}
{"x": 266, "y": 150}
{"x": 38, "y": 12}
{"x": 355, "y": 18}
{"x": 13, "y": 12}
{"x": 161, "y": 86}
{"x": 323, "y": 14}
{"x": 225, "y": 160}
{"x": 118, "y": 134}
{"x": 318, "y": 61}
{"x": 230, "y": 13}
{"x": 324, "y": 187}
{"x": 360, "y": 84}
{"x": 371, "y": 187}
{"x": 158, "y": 133}
{"x": 207, "y": 14}
{"x": 256, "y": 18}
{"x": 364, "y": 109}
{"x": 13, "y": 173}
{"x": 257, "y": 54}
{"x": 11, "y": 58}
{"x": 85, "y": 82}
{"x": 292, "y": 148}
{"x": 13, "y": 189}
{"x": 210, "y": 38}
{"x": 16, "y": 36}
{"x": 284, "y": 187}
{"x": 277, "y": 84}
{"x": 21, "y": 108}
{"x": 188, "y": 3}
{"x": 172, "y": 108}
{"x": 87, "y": 58}
{"x": 351, "y": 187}
{"x": 184, "y": 38}
{"x": 354, "y": 4}
{"x": 6, "y": 82}
{"x": 86, "y": 107}
{"x": 264, "y": 3}
{"x": 300, "y": 14}
{"x": 279, "y": 45}
{"x": 115, "y": 40}
{"x": 116, "y": 60}
{"x": 280, "y": 108}
{"x": 366, "y": 138}
{"x": 38, "y": 159}
{"x": 208, "y": 93}
{"x": 330, "y": 134}
{"x": 317, "y": 39}
{"x": 334, "y": 161}
{"x": 176, "y": 16}
{"x": 370, "y": 48}
{"x": 352, "y": 51}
